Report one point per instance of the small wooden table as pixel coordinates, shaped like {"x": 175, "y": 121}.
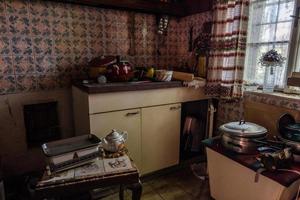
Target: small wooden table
{"x": 126, "y": 179}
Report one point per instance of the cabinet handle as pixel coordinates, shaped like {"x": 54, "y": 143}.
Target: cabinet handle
{"x": 132, "y": 113}
{"x": 175, "y": 107}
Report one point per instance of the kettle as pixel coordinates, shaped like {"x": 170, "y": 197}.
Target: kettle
{"x": 120, "y": 71}
{"x": 114, "y": 141}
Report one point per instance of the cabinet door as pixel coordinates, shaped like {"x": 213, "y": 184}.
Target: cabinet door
{"x": 127, "y": 120}
{"x": 160, "y": 137}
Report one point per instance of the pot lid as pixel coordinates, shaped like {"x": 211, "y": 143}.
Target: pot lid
{"x": 113, "y": 135}
{"x": 243, "y": 129}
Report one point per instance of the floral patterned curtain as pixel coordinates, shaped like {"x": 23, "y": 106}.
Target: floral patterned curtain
{"x": 228, "y": 45}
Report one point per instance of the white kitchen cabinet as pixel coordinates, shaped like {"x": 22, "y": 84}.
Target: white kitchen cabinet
{"x": 129, "y": 120}
{"x": 160, "y": 137}
{"x": 154, "y": 132}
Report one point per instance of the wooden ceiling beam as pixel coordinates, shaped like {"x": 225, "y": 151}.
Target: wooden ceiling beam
{"x": 178, "y": 9}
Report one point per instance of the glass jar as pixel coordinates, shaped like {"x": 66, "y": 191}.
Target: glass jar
{"x": 269, "y": 79}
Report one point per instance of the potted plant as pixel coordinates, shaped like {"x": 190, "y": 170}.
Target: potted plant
{"x": 270, "y": 60}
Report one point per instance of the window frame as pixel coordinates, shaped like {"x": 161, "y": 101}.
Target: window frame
{"x": 294, "y": 42}
{"x": 295, "y": 39}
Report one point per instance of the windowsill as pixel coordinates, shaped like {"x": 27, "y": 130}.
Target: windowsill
{"x": 275, "y": 94}
{"x": 290, "y": 101}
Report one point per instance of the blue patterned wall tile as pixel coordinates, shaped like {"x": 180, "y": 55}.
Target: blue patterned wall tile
{"x": 41, "y": 9}
{"x": 19, "y": 25}
{"x": 96, "y": 47}
{"x": 55, "y": 41}
{"x": 5, "y": 45}
{"x": 6, "y": 67}
{"x": 62, "y": 47}
{"x": 78, "y": 13}
{"x": 64, "y": 64}
{"x": 62, "y": 10}
{"x": 61, "y": 28}
{"x": 16, "y": 7}
{"x": 45, "y": 65}
{"x": 26, "y": 83}
{"x": 92, "y": 14}
{"x": 23, "y": 64}
{"x": 21, "y": 45}
{"x": 3, "y": 20}
{"x": 41, "y": 27}
{"x": 42, "y": 46}
{"x": 7, "y": 84}
{"x": 18, "y": 17}
{"x": 47, "y": 81}
{"x": 3, "y": 25}
{"x": 2, "y": 7}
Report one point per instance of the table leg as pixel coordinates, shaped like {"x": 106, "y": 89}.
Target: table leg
{"x": 137, "y": 189}
{"x": 121, "y": 192}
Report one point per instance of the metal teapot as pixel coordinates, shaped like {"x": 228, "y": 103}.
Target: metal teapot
{"x": 114, "y": 141}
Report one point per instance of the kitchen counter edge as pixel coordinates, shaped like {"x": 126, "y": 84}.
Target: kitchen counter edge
{"x": 126, "y": 86}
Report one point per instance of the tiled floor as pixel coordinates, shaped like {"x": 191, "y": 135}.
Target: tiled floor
{"x": 179, "y": 185}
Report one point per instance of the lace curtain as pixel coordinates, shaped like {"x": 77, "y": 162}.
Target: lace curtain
{"x": 228, "y": 45}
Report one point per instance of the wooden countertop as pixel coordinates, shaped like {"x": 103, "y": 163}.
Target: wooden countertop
{"x": 94, "y": 88}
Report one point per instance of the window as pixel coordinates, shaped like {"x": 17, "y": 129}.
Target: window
{"x": 270, "y": 26}
{"x": 294, "y": 49}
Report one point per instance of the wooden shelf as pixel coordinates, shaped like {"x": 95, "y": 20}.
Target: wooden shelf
{"x": 153, "y": 7}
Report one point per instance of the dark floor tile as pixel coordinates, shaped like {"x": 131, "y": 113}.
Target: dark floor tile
{"x": 160, "y": 182}
{"x": 179, "y": 185}
{"x": 151, "y": 195}
{"x": 199, "y": 192}
{"x": 114, "y": 197}
{"x": 172, "y": 192}
{"x": 147, "y": 187}
{"x": 194, "y": 186}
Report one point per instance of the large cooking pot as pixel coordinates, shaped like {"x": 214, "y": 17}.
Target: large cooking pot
{"x": 242, "y": 137}
{"x": 288, "y": 128}
{"x": 289, "y": 131}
